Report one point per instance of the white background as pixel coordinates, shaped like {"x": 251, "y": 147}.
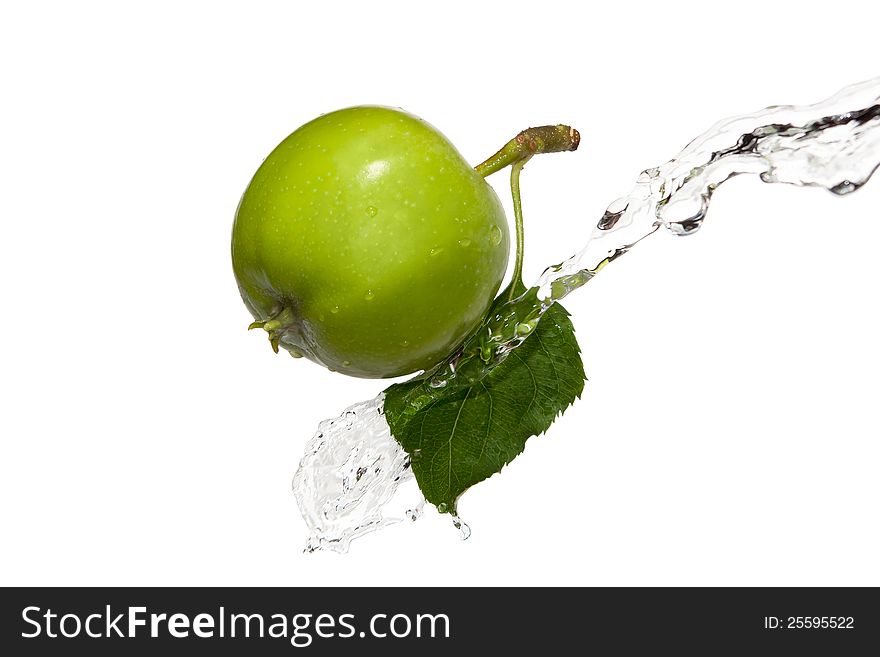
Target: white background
{"x": 728, "y": 433}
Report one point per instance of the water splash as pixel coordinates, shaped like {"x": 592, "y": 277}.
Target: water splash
{"x": 834, "y": 144}
{"x": 349, "y": 477}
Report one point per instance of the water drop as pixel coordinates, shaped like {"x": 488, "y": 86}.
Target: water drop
{"x": 495, "y": 236}
{"x": 465, "y": 242}
{"x": 372, "y": 210}
{"x": 404, "y": 343}
{"x": 436, "y": 251}
{"x": 295, "y": 353}
{"x": 443, "y": 507}
{"x": 369, "y": 296}
{"x": 463, "y": 529}
{"x": 334, "y": 309}
{"x": 346, "y": 363}
{"x": 844, "y": 187}
{"x": 416, "y": 512}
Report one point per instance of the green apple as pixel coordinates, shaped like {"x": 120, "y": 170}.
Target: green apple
{"x": 367, "y": 243}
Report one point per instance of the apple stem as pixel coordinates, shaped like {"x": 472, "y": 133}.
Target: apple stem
{"x": 532, "y": 141}
{"x": 515, "y": 153}
{"x": 515, "y": 170}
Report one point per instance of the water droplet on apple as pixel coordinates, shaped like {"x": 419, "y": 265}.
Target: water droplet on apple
{"x": 372, "y": 210}
{"x": 369, "y": 296}
{"x": 495, "y": 236}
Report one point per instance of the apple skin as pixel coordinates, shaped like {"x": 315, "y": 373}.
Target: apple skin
{"x": 371, "y": 241}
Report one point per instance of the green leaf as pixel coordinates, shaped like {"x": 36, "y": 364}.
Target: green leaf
{"x": 467, "y": 436}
